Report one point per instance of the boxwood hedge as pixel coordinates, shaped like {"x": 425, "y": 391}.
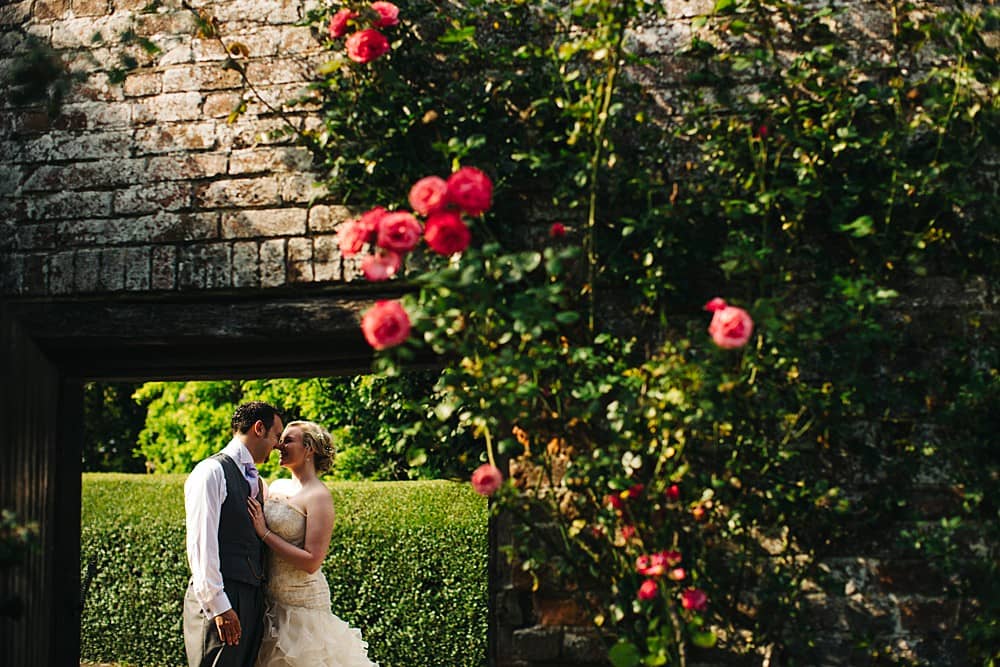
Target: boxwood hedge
{"x": 407, "y": 565}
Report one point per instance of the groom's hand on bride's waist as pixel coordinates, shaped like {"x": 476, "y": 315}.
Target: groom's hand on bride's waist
{"x": 228, "y": 625}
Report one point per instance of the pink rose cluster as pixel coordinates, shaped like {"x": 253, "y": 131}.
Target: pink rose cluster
{"x": 667, "y": 564}
{"x": 366, "y": 43}
{"x": 392, "y": 234}
{"x": 731, "y": 327}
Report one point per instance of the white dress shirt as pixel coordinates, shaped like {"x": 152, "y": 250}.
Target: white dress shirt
{"x": 204, "y": 493}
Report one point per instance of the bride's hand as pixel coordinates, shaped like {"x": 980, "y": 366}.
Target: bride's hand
{"x": 257, "y": 516}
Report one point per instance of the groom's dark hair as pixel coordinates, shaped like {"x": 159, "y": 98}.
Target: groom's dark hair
{"x": 247, "y": 415}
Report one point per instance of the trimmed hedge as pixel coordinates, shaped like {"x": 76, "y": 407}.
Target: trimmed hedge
{"x": 407, "y": 565}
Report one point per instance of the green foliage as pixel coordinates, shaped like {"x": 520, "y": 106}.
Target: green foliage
{"x": 371, "y": 420}
{"x": 112, "y": 421}
{"x": 39, "y": 76}
{"x": 810, "y": 178}
{"x": 407, "y": 565}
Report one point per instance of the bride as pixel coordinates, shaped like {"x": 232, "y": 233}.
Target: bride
{"x": 296, "y": 523}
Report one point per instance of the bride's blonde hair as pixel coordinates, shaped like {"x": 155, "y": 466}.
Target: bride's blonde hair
{"x": 318, "y": 440}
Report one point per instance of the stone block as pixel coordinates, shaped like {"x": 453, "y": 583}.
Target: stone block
{"x": 300, "y": 256}
{"x": 87, "y": 264}
{"x": 168, "y": 107}
{"x": 263, "y": 11}
{"x": 326, "y": 217}
{"x": 112, "y": 273}
{"x": 15, "y": 13}
{"x": 35, "y": 236}
{"x": 163, "y": 267}
{"x": 137, "y": 268}
{"x": 246, "y": 260}
{"x": 90, "y": 7}
{"x": 78, "y": 33}
{"x": 153, "y": 197}
{"x": 47, "y": 10}
{"x": 74, "y": 205}
{"x": 300, "y": 189}
{"x": 10, "y": 274}
{"x": 269, "y": 159}
{"x": 61, "y": 272}
{"x": 142, "y": 84}
{"x": 537, "y": 643}
{"x": 204, "y": 266}
{"x": 185, "y": 166}
{"x": 326, "y": 259}
{"x": 176, "y": 54}
{"x": 265, "y": 222}
{"x": 84, "y": 175}
{"x": 175, "y": 137}
{"x": 551, "y": 610}
{"x": 206, "y": 50}
{"x": 220, "y": 105}
{"x": 296, "y": 40}
{"x": 200, "y": 77}
{"x": 81, "y": 116}
{"x": 237, "y": 193}
{"x": 583, "y": 647}
{"x": 280, "y": 70}
{"x": 34, "y": 274}
{"x": 272, "y": 263}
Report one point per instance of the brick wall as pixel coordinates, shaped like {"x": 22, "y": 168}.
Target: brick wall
{"x": 144, "y": 185}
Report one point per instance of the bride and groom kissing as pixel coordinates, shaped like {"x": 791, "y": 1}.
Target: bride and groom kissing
{"x": 257, "y": 595}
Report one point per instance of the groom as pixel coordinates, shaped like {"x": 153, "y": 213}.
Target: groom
{"x": 224, "y": 603}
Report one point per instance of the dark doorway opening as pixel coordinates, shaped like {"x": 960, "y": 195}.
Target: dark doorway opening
{"x": 49, "y": 348}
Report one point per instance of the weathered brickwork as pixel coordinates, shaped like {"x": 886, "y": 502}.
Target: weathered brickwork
{"x": 144, "y": 185}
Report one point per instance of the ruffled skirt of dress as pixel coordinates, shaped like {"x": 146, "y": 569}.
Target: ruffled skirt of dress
{"x": 304, "y": 637}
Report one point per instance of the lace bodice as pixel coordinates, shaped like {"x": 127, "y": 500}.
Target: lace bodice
{"x": 286, "y": 583}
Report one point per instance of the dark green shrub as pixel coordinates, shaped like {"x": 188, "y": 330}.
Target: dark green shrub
{"x": 407, "y": 565}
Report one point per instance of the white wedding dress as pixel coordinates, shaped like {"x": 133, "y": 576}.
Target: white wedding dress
{"x": 299, "y": 628}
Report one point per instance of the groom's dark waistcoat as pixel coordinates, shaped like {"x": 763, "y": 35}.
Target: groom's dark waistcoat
{"x": 241, "y": 553}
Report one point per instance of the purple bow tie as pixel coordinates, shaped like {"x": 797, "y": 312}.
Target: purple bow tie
{"x": 250, "y": 472}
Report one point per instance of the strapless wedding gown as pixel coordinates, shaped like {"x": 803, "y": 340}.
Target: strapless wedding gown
{"x": 299, "y": 628}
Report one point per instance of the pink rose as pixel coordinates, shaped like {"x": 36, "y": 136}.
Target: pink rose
{"x": 557, "y": 230}
{"x": 338, "y": 24}
{"x": 429, "y": 195}
{"x": 694, "y": 599}
{"x": 486, "y": 479}
{"x": 388, "y": 14}
{"x": 614, "y": 500}
{"x": 731, "y": 327}
{"x": 677, "y": 574}
{"x": 656, "y": 564}
{"x": 398, "y": 231}
{"x": 673, "y": 493}
{"x": 648, "y": 590}
{"x": 471, "y": 190}
{"x": 366, "y": 45}
{"x": 628, "y": 532}
{"x": 382, "y": 265}
{"x": 446, "y": 234}
{"x": 385, "y": 324}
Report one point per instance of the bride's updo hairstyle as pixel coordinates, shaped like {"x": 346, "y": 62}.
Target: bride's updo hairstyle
{"x": 319, "y": 442}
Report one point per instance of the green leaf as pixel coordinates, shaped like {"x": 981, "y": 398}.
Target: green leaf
{"x": 724, "y": 6}
{"x": 416, "y": 456}
{"x": 624, "y": 654}
{"x": 860, "y": 227}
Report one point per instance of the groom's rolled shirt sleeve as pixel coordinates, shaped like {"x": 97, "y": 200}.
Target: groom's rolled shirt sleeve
{"x": 204, "y": 493}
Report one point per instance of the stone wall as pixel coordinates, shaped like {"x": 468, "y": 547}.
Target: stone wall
{"x": 144, "y": 185}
